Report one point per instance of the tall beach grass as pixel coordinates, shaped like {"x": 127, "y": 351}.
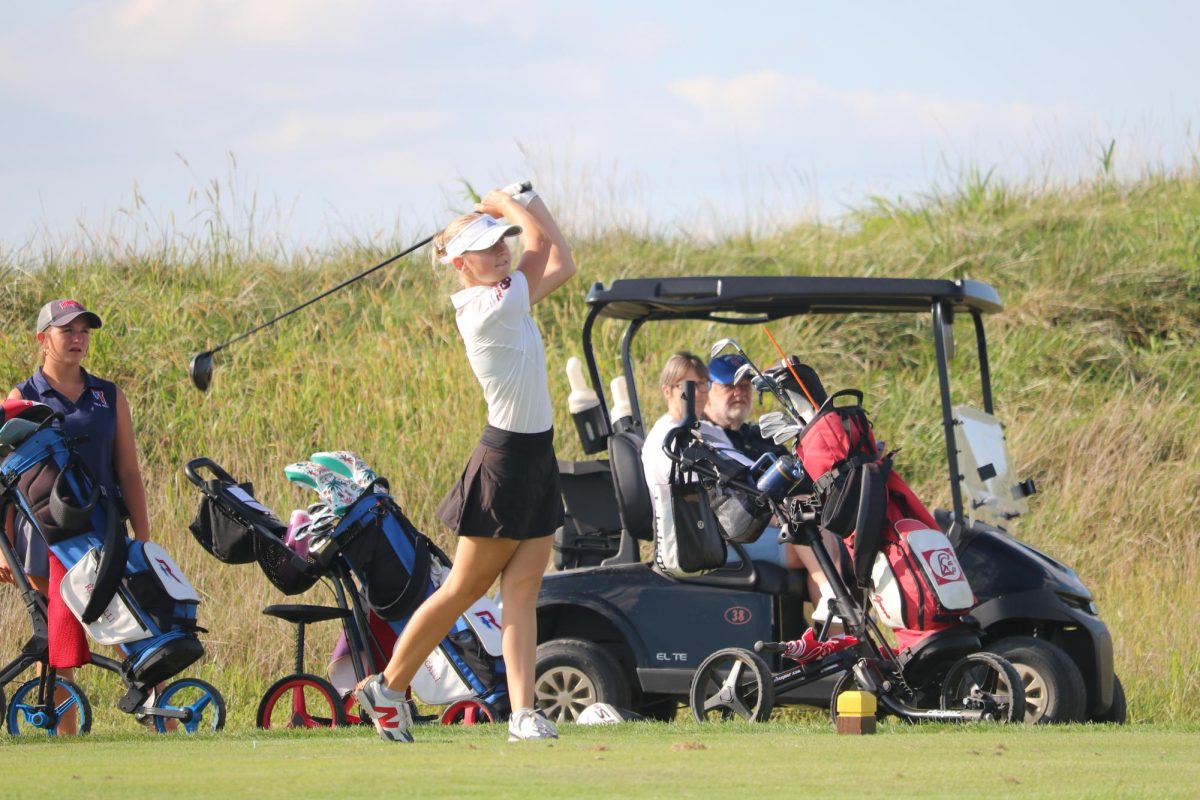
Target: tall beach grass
{"x": 1095, "y": 361}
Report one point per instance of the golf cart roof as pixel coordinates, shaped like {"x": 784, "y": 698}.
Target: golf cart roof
{"x": 759, "y": 299}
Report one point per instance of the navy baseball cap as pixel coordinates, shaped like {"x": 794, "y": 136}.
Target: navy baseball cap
{"x": 61, "y": 312}
{"x": 722, "y": 369}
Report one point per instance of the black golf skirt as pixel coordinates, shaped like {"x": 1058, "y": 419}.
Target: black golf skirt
{"x": 509, "y": 489}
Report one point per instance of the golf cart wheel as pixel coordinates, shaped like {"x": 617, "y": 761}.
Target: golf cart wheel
{"x": 202, "y": 705}
{"x": 574, "y": 673}
{"x": 471, "y": 711}
{"x": 659, "y": 708}
{"x": 1054, "y": 690}
{"x": 26, "y": 713}
{"x": 1118, "y": 712}
{"x": 301, "y": 700}
{"x": 987, "y": 684}
{"x": 733, "y": 682}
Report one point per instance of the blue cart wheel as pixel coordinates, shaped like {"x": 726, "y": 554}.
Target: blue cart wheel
{"x": 25, "y": 713}
{"x": 202, "y": 704}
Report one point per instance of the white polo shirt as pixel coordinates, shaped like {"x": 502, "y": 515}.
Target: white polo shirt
{"x": 506, "y": 353}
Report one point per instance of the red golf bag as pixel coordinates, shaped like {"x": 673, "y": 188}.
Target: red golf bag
{"x": 901, "y": 557}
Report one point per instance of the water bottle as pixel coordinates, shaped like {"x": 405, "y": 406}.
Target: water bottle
{"x": 621, "y": 414}
{"x": 780, "y": 477}
{"x": 584, "y": 405}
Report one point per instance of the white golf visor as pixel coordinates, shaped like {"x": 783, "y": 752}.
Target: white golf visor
{"x": 481, "y": 234}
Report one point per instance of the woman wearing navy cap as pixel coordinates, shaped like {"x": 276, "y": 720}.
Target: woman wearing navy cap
{"x": 506, "y": 505}
{"x": 97, "y": 411}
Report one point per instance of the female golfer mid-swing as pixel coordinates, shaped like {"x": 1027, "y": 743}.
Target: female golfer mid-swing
{"x": 506, "y": 504}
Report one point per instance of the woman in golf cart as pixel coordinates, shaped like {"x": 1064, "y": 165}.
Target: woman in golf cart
{"x": 506, "y": 505}
{"x": 685, "y": 366}
{"x": 95, "y": 411}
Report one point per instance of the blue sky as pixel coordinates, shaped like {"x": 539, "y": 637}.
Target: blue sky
{"x": 359, "y": 118}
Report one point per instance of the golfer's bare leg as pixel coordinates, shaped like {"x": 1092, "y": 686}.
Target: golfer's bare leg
{"x": 519, "y": 585}
{"x": 477, "y": 562}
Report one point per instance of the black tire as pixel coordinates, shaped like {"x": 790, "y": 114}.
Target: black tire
{"x": 314, "y": 702}
{"x": 984, "y": 683}
{"x": 1118, "y": 712}
{"x": 1054, "y": 689}
{"x": 733, "y": 682}
{"x": 571, "y": 674}
{"x": 659, "y": 708}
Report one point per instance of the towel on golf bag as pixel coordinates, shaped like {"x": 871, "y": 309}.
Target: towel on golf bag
{"x": 397, "y": 567}
{"x": 899, "y": 553}
{"x": 125, "y": 593}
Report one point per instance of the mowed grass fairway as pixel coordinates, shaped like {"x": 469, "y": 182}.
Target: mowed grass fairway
{"x": 683, "y": 759}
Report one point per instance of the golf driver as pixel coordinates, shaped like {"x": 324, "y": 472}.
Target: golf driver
{"x": 201, "y": 367}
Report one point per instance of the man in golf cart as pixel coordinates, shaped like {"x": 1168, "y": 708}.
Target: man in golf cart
{"x": 685, "y": 366}
{"x": 728, "y": 406}
{"x": 730, "y": 402}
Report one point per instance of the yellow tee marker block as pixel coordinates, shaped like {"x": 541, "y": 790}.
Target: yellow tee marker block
{"x": 856, "y": 713}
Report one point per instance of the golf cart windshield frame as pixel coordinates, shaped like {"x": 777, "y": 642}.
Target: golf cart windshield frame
{"x": 758, "y": 300}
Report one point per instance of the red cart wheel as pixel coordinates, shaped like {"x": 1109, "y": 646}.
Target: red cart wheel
{"x": 472, "y": 711}
{"x": 301, "y": 701}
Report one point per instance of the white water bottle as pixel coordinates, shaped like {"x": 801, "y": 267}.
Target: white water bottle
{"x": 621, "y": 413}
{"x": 584, "y": 405}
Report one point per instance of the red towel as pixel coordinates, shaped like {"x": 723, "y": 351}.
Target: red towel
{"x": 68, "y": 644}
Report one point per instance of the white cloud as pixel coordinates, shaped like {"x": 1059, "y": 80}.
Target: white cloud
{"x": 301, "y": 131}
{"x": 774, "y": 103}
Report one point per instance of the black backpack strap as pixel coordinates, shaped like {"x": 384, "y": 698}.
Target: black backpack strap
{"x": 412, "y": 594}
{"x": 113, "y": 555}
{"x": 871, "y": 521}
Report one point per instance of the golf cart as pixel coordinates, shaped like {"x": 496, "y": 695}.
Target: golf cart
{"x": 612, "y": 628}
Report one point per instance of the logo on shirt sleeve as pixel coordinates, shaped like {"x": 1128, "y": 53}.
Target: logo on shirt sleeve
{"x": 502, "y": 287}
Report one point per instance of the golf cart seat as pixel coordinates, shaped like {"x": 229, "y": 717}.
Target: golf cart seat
{"x": 637, "y": 519}
{"x": 629, "y": 484}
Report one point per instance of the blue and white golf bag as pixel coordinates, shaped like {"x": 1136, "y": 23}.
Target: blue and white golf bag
{"x": 125, "y": 593}
{"x": 398, "y": 567}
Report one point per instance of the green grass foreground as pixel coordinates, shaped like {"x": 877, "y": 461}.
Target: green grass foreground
{"x": 683, "y": 759}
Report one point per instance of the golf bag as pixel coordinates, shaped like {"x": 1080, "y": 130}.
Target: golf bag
{"x": 900, "y": 555}
{"x": 125, "y": 593}
{"x": 376, "y": 552}
{"x": 398, "y": 567}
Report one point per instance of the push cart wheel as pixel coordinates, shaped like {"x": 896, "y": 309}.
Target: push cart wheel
{"x": 202, "y": 705}
{"x": 985, "y": 683}
{"x": 301, "y": 700}
{"x": 471, "y": 711}
{"x": 350, "y": 706}
{"x": 27, "y": 713}
{"x": 733, "y": 682}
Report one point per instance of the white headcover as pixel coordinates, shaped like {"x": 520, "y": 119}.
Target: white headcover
{"x": 480, "y": 234}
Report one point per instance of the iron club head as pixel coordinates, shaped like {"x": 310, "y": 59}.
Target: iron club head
{"x": 201, "y": 370}
{"x": 722, "y": 345}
